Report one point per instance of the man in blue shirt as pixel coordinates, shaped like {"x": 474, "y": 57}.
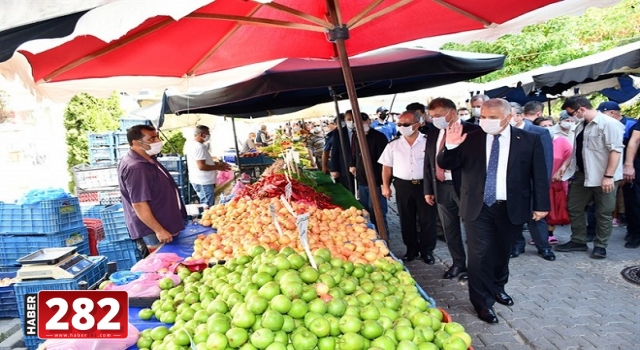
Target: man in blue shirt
{"x": 381, "y": 124}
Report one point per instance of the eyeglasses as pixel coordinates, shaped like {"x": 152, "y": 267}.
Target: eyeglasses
{"x": 572, "y": 114}
{"x": 405, "y": 124}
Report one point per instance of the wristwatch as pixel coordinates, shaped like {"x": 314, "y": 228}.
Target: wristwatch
{"x": 608, "y": 176}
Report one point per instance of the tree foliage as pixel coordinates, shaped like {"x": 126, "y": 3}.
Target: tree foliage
{"x": 174, "y": 144}
{"x": 561, "y": 39}
{"x": 86, "y": 114}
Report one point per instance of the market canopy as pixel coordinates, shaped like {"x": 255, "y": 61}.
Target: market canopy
{"x": 295, "y": 84}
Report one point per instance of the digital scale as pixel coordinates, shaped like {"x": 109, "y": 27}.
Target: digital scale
{"x": 53, "y": 263}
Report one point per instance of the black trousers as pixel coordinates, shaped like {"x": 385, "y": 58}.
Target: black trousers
{"x": 448, "y": 209}
{"x": 631, "y": 193}
{"x": 489, "y": 241}
{"x": 411, "y": 204}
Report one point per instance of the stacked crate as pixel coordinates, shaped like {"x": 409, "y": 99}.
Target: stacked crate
{"x": 27, "y": 228}
{"x": 97, "y": 184}
{"x": 177, "y": 167}
{"x": 118, "y": 246}
{"x": 101, "y": 148}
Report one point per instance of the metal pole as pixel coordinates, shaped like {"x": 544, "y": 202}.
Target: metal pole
{"x": 343, "y": 148}
{"x": 362, "y": 140}
{"x": 235, "y": 140}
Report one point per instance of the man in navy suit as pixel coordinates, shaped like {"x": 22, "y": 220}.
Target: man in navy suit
{"x": 538, "y": 229}
{"x": 501, "y": 188}
{"x": 443, "y": 186}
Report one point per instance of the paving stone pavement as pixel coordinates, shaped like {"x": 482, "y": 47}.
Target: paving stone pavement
{"x": 574, "y": 302}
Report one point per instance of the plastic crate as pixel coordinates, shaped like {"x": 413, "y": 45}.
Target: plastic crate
{"x": 90, "y": 197}
{"x": 95, "y": 177}
{"x": 120, "y": 138}
{"x": 104, "y": 155}
{"x": 13, "y": 247}
{"x": 44, "y": 217}
{"x": 124, "y": 253}
{"x": 174, "y": 164}
{"x": 125, "y": 124}
{"x": 12, "y": 268}
{"x": 96, "y": 234}
{"x": 259, "y": 160}
{"x": 121, "y": 151}
{"x": 109, "y": 197}
{"x": 91, "y": 211}
{"x": 92, "y": 276}
{"x": 8, "y": 303}
{"x": 100, "y": 140}
{"x": 179, "y": 178}
{"x": 115, "y": 228}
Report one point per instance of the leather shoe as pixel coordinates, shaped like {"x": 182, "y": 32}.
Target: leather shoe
{"x": 410, "y": 256}
{"x": 515, "y": 252}
{"x": 633, "y": 243}
{"x": 504, "y": 299}
{"x": 488, "y": 315}
{"x": 463, "y": 277}
{"x": 547, "y": 254}
{"x": 453, "y": 272}
{"x": 428, "y": 258}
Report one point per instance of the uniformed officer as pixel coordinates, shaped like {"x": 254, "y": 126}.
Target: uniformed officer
{"x": 403, "y": 160}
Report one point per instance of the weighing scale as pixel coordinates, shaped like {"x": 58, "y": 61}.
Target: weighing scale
{"x": 53, "y": 263}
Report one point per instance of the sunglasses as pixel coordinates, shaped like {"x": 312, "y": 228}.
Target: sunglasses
{"x": 405, "y": 124}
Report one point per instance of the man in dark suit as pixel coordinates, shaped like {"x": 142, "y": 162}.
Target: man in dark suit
{"x": 538, "y": 229}
{"x": 338, "y": 164}
{"x": 443, "y": 186}
{"x": 494, "y": 202}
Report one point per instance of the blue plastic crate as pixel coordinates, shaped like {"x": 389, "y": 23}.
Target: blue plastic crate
{"x": 13, "y": 247}
{"x": 43, "y": 217}
{"x": 124, "y": 253}
{"x": 174, "y": 164}
{"x": 92, "y": 211}
{"x": 100, "y": 140}
{"x": 125, "y": 124}
{"x": 121, "y": 151}
{"x": 259, "y": 160}
{"x": 115, "y": 228}
{"x": 8, "y": 304}
{"x": 92, "y": 276}
{"x": 120, "y": 138}
{"x": 104, "y": 155}
{"x": 12, "y": 268}
{"x": 179, "y": 178}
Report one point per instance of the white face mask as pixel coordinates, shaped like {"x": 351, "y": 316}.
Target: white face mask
{"x": 475, "y": 111}
{"x": 566, "y": 125}
{"x": 317, "y": 130}
{"x": 491, "y": 126}
{"x": 349, "y": 124}
{"x": 440, "y": 122}
{"x": 464, "y": 117}
{"x": 406, "y": 131}
{"x": 343, "y": 124}
{"x": 155, "y": 148}
{"x": 513, "y": 122}
{"x": 366, "y": 128}
{"x": 207, "y": 138}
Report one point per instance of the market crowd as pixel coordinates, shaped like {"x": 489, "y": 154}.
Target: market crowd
{"x": 497, "y": 169}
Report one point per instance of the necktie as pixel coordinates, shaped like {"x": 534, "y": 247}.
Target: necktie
{"x": 353, "y": 142}
{"x": 439, "y": 170}
{"x": 490, "y": 185}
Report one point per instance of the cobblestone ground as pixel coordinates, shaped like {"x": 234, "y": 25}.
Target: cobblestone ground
{"x": 574, "y": 302}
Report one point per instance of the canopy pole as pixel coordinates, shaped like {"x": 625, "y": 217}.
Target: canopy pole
{"x": 339, "y": 34}
{"x": 341, "y": 136}
{"x": 235, "y": 140}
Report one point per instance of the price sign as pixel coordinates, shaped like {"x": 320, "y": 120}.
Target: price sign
{"x": 274, "y": 218}
{"x": 286, "y": 204}
{"x": 85, "y": 314}
{"x": 303, "y": 228}
{"x": 288, "y": 188}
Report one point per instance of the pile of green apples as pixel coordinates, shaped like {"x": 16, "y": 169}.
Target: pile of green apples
{"x": 275, "y": 301}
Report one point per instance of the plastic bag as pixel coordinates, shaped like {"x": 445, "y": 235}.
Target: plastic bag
{"x": 124, "y": 277}
{"x": 224, "y": 177}
{"x": 144, "y": 287}
{"x": 94, "y": 344}
{"x": 156, "y": 262}
{"x": 39, "y": 195}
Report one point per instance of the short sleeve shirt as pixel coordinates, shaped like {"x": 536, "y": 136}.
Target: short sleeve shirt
{"x": 406, "y": 160}
{"x": 198, "y": 151}
{"x": 144, "y": 181}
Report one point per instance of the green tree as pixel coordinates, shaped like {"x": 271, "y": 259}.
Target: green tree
{"x": 86, "y": 114}
{"x": 561, "y": 39}
{"x": 174, "y": 143}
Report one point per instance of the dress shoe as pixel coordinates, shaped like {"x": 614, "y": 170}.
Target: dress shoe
{"x": 453, "y": 272}
{"x": 515, "y": 252}
{"x": 547, "y": 254}
{"x": 463, "y": 277}
{"x": 428, "y": 258}
{"x": 633, "y": 243}
{"x": 598, "y": 253}
{"x": 504, "y": 299}
{"x": 410, "y": 256}
{"x": 572, "y": 246}
{"x": 488, "y": 315}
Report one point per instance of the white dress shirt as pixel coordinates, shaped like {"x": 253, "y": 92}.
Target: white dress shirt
{"x": 406, "y": 160}
{"x": 447, "y": 173}
{"x": 503, "y": 161}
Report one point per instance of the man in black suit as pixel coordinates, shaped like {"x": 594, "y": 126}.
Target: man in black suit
{"x": 499, "y": 183}
{"x": 443, "y": 186}
{"x": 338, "y": 164}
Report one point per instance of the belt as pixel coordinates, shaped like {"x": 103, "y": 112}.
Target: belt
{"x": 413, "y": 182}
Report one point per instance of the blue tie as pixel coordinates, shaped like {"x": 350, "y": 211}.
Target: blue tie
{"x": 490, "y": 185}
